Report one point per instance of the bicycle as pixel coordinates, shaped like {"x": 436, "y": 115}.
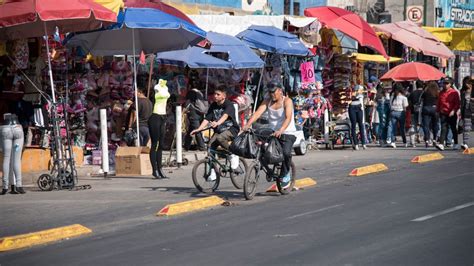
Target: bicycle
{"x": 202, "y": 170}
{"x": 253, "y": 171}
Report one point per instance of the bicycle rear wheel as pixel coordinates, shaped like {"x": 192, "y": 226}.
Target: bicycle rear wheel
{"x": 286, "y": 190}
{"x": 251, "y": 180}
{"x": 237, "y": 176}
{"x": 200, "y": 175}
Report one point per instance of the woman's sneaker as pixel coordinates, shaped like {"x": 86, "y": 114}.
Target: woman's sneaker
{"x": 285, "y": 181}
{"x": 393, "y": 145}
{"x": 464, "y": 147}
{"x": 439, "y": 146}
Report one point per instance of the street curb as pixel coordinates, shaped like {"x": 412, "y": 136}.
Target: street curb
{"x": 427, "y": 157}
{"x": 42, "y": 237}
{"x": 369, "y": 169}
{"x": 300, "y": 183}
{"x": 468, "y": 151}
{"x": 190, "y": 206}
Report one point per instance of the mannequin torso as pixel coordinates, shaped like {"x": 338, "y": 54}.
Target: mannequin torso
{"x": 161, "y": 97}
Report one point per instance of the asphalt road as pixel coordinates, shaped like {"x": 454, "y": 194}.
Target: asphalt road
{"x": 409, "y": 215}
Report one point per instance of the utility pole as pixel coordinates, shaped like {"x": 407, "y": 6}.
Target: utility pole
{"x": 405, "y": 9}
{"x": 424, "y": 12}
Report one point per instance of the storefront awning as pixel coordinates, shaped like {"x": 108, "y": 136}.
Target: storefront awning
{"x": 416, "y": 38}
{"x": 458, "y": 39}
{"x": 374, "y": 58}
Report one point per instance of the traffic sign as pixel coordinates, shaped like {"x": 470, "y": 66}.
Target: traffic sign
{"x": 415, "y": 14}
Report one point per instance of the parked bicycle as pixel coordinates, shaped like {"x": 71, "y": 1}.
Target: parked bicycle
{"x": 272, "y": 172}
{"x": 218, "y": 160}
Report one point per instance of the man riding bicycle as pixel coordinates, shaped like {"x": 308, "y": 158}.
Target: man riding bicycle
{"x": 222, "y": 118}
{"x": 281, "y": 120}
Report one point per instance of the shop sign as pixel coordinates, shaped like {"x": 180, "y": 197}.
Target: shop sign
{"x": 415, "y": 14}
{"x": 307, "y": 72}
{"x": 456, "y": 14}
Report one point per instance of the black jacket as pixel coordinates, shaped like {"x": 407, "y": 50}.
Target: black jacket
{"x": 467, "y": 106}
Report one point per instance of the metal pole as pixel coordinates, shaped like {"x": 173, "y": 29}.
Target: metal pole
{"x": 259, "y": 82}
{"x": 104, "y": 141}
{"x": 150, "y": 76}
{"x": 404, "y": 9}
{"x": 179, "y": 146}
{"x": 50, "y": 70}
{"x": 207, "y": 81}
{"x": 137, "y": 141}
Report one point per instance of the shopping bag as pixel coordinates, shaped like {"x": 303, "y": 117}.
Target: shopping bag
{"x": 273, "y": 152}
{"x": 244, "y": 146}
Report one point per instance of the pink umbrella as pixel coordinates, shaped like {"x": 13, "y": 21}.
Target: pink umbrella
{"x": 415, "y": 37}
{"x": 413, "y": 71}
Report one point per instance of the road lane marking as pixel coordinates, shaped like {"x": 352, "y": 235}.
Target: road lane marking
{"x": 315, "y": 211}
{"x": 457, "y": 208}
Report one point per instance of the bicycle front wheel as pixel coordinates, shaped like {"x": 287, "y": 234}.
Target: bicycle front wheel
{"x": 288, "y": 188}
{"x": 237, "y": 176}
{"x": 202, "y": 178}
{"x": 251, "y": 180}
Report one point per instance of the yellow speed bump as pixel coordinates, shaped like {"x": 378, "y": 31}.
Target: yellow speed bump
{"x": 427, "y": 157}
{"x": 189, "y": 206}
{"x": 42, "y": 237}
{"x": 468, "y": 151}
{"x": 300, "y": 183}
{"x": 369, "y": 169}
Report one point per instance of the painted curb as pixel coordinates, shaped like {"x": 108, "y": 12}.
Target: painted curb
{"x": 42, "y": 237}
{"x": 468, "y": 151}
{"x": 369, "y": 169}
{"x": 300, "y": 183}
{"x": 190, "y": 206}
{"x": 427, "y": 157}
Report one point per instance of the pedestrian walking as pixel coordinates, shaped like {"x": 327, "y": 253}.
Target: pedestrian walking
{"x": 398, "y": 105}
{"x": 429, "y": 114}
{"x": 382, "y": 100}
{"x": 415, "y": 103}
{"x": 449, "y": 103}
{"x": 467, "y": 110}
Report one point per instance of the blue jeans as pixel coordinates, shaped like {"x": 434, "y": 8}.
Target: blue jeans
{"x": 383, "y": 110}
{"x": 355, "y": 115}
{"x": 12, "y": 144}
{"x": 396, "y": 118}
{"x": 430, "y": 122}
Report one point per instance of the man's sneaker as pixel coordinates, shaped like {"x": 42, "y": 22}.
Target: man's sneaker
{"x": 456, "y": 147}
{"x": 355, "y": 147}
{"x": 449, "y": 145}
{"x": 439, "y": 146}
{"x": 393, "y": 145}
{"x": 464, "y": 147}
{"x": 212, "y": 176}
{"x": 234, "y": 161}
{"x": 285, "y": 181}
{"x": 364, "y": 147}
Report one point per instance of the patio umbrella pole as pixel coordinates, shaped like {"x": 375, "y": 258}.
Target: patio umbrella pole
{"x": 137, "y": 141}
{"x": 259, "y": 82}
{"x": 207, "y": 81}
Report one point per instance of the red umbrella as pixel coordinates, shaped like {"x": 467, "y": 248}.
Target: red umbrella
{"x": 348, "y": 23}
{"x": 413, "y": 71}
{"x": 34, "y": 18}
{"x": 31, "y": 18}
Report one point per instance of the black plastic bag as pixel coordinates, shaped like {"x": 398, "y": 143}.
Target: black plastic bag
{"x": 244, "y": 146}
{"x": 273, "y": 152}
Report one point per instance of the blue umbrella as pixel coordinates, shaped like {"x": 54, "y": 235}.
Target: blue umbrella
{"x": 152, "y": 29}
{"x": 274, "y": 40}
{"x": 139, "y": 29}
{"x": 193, "y": 57}
{"x": 232, "y": 53}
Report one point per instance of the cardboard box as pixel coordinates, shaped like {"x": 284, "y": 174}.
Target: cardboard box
{"x": 133, "y": 161}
